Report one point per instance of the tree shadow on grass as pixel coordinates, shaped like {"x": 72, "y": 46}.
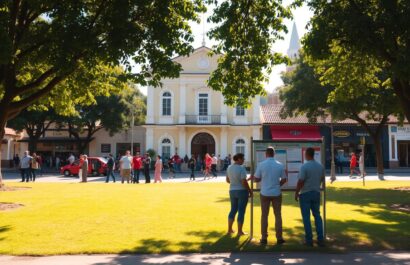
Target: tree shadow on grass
{"x": 4, "y": 229}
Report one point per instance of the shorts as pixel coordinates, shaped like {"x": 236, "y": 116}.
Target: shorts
{"x": 126, "y": 173}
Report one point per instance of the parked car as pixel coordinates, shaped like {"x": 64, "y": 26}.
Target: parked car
{"x": 96, "y": 166}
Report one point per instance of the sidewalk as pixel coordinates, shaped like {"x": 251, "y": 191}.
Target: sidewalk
{"x": 360, "y": 258}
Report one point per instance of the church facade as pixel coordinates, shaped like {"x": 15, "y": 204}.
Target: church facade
{"x": 187, "y": 117}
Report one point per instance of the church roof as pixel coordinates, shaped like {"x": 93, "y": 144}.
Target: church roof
{"x": 294, "y": 44}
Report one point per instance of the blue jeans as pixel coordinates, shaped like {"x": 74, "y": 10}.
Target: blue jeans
{"x": 239, "y": 200}
{"x": 110, "y": 173}
{"x": 136, "y": 178}
{"x": 310, "y": 201}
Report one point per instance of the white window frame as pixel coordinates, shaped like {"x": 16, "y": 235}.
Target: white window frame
{"x": 236, "y": 114}
{"x": 202, "y": 120}
{"x": 166, "y": 119}
{"x": 161, "y": 145}
{"x": 244, "y": 145}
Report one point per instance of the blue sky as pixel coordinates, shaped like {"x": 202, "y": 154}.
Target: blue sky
{"x": 301, "y": 16}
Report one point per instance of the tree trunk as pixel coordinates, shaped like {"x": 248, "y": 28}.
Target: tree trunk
{"x": 32, "y": 144}
{"x": 2, "y": 133}
{"x": 403, "y": 93}
{"x": 379, "y": 156}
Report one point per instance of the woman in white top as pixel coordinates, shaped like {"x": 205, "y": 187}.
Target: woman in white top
{"x": 239, "y": 191}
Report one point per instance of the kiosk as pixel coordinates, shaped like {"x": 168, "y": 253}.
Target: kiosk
{"x": 291, "y": 155}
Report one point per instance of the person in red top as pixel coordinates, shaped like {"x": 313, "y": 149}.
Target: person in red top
{"x": 136, "y": 166}
{"x": 208, "y": 164}
{"x": 353, "y": 164}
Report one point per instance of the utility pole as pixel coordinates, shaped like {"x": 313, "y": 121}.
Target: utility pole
{"x": 332, "y": 146}
{"x": 132, "y": 133}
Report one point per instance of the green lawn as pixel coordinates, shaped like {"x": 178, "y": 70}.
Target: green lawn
{"x": 186, "y": 217}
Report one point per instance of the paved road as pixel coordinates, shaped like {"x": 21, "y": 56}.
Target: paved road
{"x": 183, "y": 177}
{"x": 359, "y": 258}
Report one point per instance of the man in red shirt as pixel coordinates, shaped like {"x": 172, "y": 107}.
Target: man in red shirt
{"x": 353, "y": 164}
{"x": 136, "y": 166}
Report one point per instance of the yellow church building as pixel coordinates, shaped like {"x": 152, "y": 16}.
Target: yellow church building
{"x": 185, "y": 116}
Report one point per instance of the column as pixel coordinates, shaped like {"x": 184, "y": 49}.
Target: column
{"x": 224, "y": 142}
{"x": 224, "y": 108}
{"x": 150, "y": 105}
{"x": 182, "y": 103}
{"x": 8, "y": 157}
{"x": 182, "y": 142}
{"x": 149, "y": 138}
{"x": 256, "y": 110}
{"x": 256, "y": 133}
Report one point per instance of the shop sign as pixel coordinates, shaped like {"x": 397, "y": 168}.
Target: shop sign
{"x": 341, "y": 134}
{"x": 403, "y": 130}
{"x": 362, "y": 134}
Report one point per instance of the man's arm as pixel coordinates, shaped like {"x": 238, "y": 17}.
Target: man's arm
{"x": 299, "y": 186}
{"x": 257, "y": 177}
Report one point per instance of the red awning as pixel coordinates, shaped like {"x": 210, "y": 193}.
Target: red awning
{"x": 295, "y": 133}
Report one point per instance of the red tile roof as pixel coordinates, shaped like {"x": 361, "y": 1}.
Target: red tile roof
{"x": 271, "y": 115}
{"x": 10, "y": 131}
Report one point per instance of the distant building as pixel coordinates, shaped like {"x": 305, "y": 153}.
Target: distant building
{"x": 294, "y": 47}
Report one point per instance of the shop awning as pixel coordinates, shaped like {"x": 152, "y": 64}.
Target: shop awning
{"x": 295, "y": 133}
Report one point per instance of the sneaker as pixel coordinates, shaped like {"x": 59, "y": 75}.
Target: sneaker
{"x": 321, "y": 243}
{"x": 263, "y": 241}
{"x": 280, "y": 242}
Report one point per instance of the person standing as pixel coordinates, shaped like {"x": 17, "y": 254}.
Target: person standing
{"x": 147, "y": 164}
{"x": 171, "y": 169}
{"x": 158, "y": 170}
{"x": 191, "y": 166}
{"x": 136, "y": 166}
{"x": 125, "y": 167}
{"x": 207, "y": 165}
{"x": 353, "y": 165}
{"x": 239, "y": 191}
{"x": 25, "y": 166}
{"x": 16, "y": 161}
{"x": 110, "y": 168}
{"x": 214, "y": 164}
{"x": 361, "y": 165}
{"x": 84, "y": 168}
{"x": 271, "y": 174}
{"x": 311, "y": 177}
{"x": 71, "y": 159}
{"x": 175, "y": 160}
{"x": 35, "y": 165}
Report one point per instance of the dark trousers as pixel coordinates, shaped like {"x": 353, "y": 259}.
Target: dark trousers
{"x": 33, "y": 174}
{"x": 213, "y": 170}
{"x": 146, "y": 173}
{"x": 136, "y": 178}
{"x": 25, "y": 174}
{"x": 192, "y": 173}
{"x": 310, "y": 201}
{"x": 110, "y": 173}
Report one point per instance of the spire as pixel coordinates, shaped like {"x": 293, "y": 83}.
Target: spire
{"x": 203, "y": 30}
{"x": 294, "y": 45}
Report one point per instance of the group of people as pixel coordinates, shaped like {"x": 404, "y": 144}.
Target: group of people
{"x": 29, "y": 166}
{"x": 272, "y": 175}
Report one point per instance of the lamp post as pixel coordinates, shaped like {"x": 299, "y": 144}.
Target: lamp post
{"x": 332, "y": 146}
{"x": 132, "y": 134}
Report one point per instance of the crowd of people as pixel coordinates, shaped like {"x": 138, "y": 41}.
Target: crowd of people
{"x": 272, "y": 175}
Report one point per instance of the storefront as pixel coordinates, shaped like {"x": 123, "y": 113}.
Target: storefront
{"x": 351, "y": 138}
{"x": 399, "y": 146}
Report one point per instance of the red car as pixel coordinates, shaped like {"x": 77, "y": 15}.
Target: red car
{"x": 96, "y": 166}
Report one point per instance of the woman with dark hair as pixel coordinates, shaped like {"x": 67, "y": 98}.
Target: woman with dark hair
{"x": 239, "y": 192}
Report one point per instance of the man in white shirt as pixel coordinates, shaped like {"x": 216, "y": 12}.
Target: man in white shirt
{"x": 71, "y": 159}
{"x": 272, "y": 176}
{"x": 214, "y": 164}
{"x": 25, "y": 166}
{"x": 125, "y": 167}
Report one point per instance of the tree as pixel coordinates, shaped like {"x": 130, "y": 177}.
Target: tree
{"x": 34, "y": 122}
{"x": 110, "y": 113}
{"x": 346, "y": 85}
{"x": 378, "y": 29}
{"x": 245, "y": 31}
{"x": 45, "y": 42}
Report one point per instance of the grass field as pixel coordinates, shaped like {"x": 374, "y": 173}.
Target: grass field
{"x": 186, "y": 217}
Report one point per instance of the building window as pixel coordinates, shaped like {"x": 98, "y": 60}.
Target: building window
{"x": 105, "y": 148}
{"x": 166, "y": 148}
{"x": 240, "y": 111}
{"x": 166, "y": 104}
{"x": 203, "y": 104}
{"x": 240, "y": 146}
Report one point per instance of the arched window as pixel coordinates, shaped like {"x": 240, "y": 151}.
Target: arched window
{"x": 240, "y": 146}
{"x": 166, "y": 148}
{"x": 166, "y": 104}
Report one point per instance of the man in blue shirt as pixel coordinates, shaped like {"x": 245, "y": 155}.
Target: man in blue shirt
{"x": 311, "y": 177}
{"x": 271, "y": 174}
